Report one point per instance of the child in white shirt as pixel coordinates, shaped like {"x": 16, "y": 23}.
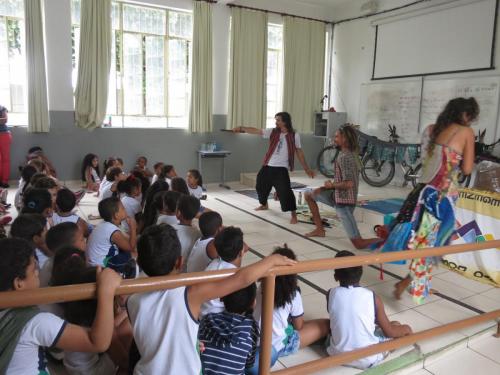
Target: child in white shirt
{"x": 65, "y": 204}
{"x": 141, "y": 165}
{"x": 130, "y": 189}
{"x": 204, "y": 250}
{"x": 26, "y": 330}
{"x": 357, "y": 316}
{"x": 108, "y": 246}
{"x": 195, "y": 183}
{"x": 230, "y": 248}
{"x": 290, "y": 331}
{"x": 26, "y": 174}
{"x": 157, "y": 168}
{"x": 165, "y": 323}
{"x": 187, "y": 208}
{"x": 90, "y": 172}
{"x": 167, "y": 207}
{"x": 33, "y": 228}
{"x": 108, "y": 185}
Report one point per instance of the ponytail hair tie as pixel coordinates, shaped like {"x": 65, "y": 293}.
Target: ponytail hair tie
{"x": 31, "y": 204}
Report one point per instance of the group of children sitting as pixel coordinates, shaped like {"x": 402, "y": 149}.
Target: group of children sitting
{"x": 210, "y": 328}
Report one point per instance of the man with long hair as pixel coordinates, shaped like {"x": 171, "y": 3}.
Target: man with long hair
{"x": 342, "y": 192}
{"x": 284, "y": 144}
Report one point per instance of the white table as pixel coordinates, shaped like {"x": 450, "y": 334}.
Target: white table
{"x": 221, "y": 154}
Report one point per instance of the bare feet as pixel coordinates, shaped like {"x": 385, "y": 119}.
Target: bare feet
{"x": 293, "y": 219}
{"x": 318, "y": 232}
{"x": 400, "y": 287}
{"x": 262, "y": 208}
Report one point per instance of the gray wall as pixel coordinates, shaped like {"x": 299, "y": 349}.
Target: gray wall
{"x": 66, "y": 146}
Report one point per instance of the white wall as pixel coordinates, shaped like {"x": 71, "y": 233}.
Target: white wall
{"x": 354, "y": 44}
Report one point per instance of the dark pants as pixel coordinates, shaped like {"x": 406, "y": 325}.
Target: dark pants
{"x": 279, "y": 178}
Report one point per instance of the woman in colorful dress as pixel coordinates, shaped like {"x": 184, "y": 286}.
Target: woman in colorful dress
{"x": 448, "y": 149}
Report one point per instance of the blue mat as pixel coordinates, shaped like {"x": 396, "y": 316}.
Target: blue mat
{"x": 384, "y": 206}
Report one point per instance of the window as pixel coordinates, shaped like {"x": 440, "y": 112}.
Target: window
{"x": 150, "y": 77}
{"x": 274, "y": 72}
{"x": 13, "y": 86}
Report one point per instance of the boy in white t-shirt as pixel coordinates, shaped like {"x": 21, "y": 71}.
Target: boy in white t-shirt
{"x": 108, "y": 246}
{"x": 65, "y": 204}
{"x": 157, "y": 167}
{"x": 357, "y": 317}
{"x": 230, "y": 249}
{"x": 33, "y": 228}
{"x": 26, "y": 330}
{"x": 168, "y": 208}
{"x": 187, "y": 208}
{"x": 204, "y": 250}
{"x": 165, "y": 323}
{"x": 109, "y": 184}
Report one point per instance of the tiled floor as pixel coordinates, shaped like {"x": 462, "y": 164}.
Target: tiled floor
{"x": 265, "y": 230}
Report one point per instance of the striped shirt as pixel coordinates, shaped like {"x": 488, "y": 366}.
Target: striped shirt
{"x": 230, "y": 343}
{"x": 346, "y": 169}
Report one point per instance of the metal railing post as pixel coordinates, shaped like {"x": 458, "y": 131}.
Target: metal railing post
{"x": 266, "y": 334}
{"x": 497, "y": 335}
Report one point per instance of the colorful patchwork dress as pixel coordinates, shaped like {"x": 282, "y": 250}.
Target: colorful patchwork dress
{"x": 433, "y": 221}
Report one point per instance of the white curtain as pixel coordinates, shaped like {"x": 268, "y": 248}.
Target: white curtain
{"x": 304, "y": 65}
{"x": 200, "y": 117}
{"x": 247, "y": 90}
{"x": 38, "y": 109}
{"x": 91, "y": 95}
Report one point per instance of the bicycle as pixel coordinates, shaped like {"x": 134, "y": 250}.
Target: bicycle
{"x": 374, "y": 172}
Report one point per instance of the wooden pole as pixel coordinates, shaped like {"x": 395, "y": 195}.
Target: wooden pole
{"x": 347, "y": 357}
{"x": 266, "y": 334}
{"x": 87, "y": 291}
{"x": 497, "y": 335}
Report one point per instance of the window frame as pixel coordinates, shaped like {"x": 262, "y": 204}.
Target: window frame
{"x": 280, "y": 72}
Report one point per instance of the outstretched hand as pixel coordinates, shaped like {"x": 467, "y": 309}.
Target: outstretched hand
{"x": 310, "y": 173}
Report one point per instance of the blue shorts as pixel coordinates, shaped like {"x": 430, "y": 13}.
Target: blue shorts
{"x": 344, "y": 212}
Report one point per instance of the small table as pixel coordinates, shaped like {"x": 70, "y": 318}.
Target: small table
{"x": 222, "y": 154}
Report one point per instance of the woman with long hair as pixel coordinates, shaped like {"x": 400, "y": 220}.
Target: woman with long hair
{"x": 448, "y": 149}
{"x": 284, "y": 144}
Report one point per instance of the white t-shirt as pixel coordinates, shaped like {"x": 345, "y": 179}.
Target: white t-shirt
{"x": 352, "y": 323}
{"x": 95, "y": 176}
{"x": 187, "y": 235}
{"x": 198, "y": 259}
{"x": 167, "y": 219}
{"x": 42, "y": 258}
{"x": 215, "y": 306}
{"x": 165, "y": 332}
{"x": 99, "y": 245}
{"x": 197, "y": 192}
{"x": 132, "y": 207}
{"x": 294, "y": 309}
{"x": 279, "y": 158}
{"x": 79, "y": 363}
{"x": 43, "y": 330}
{"x": 105, "y": 189}
{"x": 18, "y": 198}
{"x": 58, "y": 219}
{"x": 154, "y": 179}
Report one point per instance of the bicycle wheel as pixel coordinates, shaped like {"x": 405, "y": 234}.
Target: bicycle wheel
{"x": 377, "y": 172}
{"x": 415, "y": 175}
{"x": 325, "y": 160}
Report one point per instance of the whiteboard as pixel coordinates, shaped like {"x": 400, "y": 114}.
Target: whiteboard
{"x": 438, "y": 92}
{"x": 395, "y": 103}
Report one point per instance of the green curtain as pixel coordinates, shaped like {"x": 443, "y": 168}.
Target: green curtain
{"x": 247, "y": 88}
{"x": 200, "y": 116}
{"x": 38, "y": 109}
{"x": 91, "y": 95}
{"x": 304, "y": 65}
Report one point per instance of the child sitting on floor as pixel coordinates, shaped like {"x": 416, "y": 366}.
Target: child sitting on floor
{"x": 204, "y": 250}
{"x": 357, "y": 316}
{"x": 130, "y": 188}
{"x": 26, "y": 174}
{"x": 167, "y": 173}
{"x": 230, "y": 249}
{"x": 33, "y": 228}
{"x": 65, "y": 204}
{"x": 26, "y": 330}
{"x": 108, "y": 186}
{"x": 290, "y": 331}
{"x": 195, "y": 183}
{"x": 187, "y": 208}
{"x": 90, "y": 172}
{"x": 108, "y": 246}
{"x": 141, "y": 165}
{"x": 167, "y": 204}
{"x": 38, "y": 201}
{"x": 165, "y": 322}
{"x": 230, "y": 337}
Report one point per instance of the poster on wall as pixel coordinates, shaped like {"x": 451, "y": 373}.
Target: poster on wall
{"x": 478, "y": 216}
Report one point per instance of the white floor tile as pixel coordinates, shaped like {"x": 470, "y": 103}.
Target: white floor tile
{"x": 488, "y": 346}
{"x": 463, "y": 282}
{"x": 464, "y": 362}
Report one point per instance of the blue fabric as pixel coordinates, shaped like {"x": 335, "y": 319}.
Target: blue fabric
{"x": 230, "y": 342}
{"x": 398, "y": 239}
{"x": 385, "y": 206}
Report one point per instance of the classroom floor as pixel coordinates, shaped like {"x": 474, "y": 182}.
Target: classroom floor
{"x": 460, "y": 352}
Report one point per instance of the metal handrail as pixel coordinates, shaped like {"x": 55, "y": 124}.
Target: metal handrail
{"x": 88, "y": 291}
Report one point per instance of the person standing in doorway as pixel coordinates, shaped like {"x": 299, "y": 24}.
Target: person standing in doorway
{"x": 284, "y": 144}
{"x": 5, "y": 142}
